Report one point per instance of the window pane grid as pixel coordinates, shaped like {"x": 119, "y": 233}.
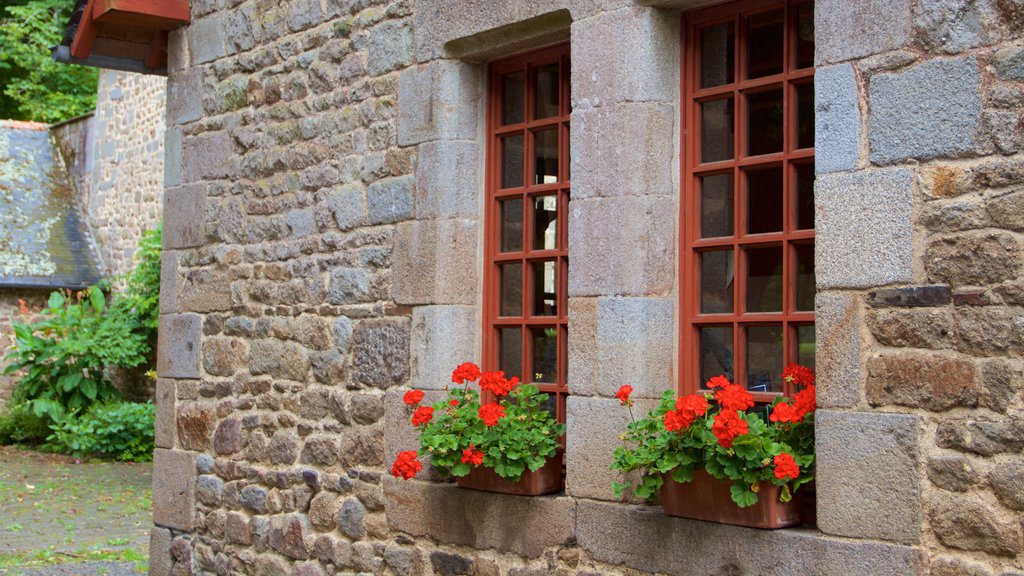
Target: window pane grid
{"x": 532, "y": 343}
{"x": 763, "y": 259}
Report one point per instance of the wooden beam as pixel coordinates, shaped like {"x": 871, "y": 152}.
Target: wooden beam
{"x": 152, "y": 14}
{"x": 157, "y": 55}
{"x": 81, "y": 46}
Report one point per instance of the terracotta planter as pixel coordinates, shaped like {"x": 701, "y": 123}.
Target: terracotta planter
{"x": 547, "y": 480}
{"x": 706, "y": 498}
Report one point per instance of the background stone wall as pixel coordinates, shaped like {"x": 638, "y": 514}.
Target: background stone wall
{"x": 322, "y": 205}
{"x": 10, "y": 311}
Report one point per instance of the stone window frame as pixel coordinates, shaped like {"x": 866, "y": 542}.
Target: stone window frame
{"x": 692, "y": 317}
{"x": 496, "y": 197}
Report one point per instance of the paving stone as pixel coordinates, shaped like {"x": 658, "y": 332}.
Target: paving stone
{"x": 837, "y": 119}
{"x": 174, "y": 489}
{"x": 869, "y": 485}
{"x": 929, "y": 111}
{"x": 178, "y": 353}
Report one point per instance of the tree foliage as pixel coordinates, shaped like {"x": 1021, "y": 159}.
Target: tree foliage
{"x": 33, "y": 86}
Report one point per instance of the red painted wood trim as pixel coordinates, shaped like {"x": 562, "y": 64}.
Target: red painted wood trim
{"x": 81, "y": 46}
{"x": 157, "y": 55}
{"x": 160, "y": 12}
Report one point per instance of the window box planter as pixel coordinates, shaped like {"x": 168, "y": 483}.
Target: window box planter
{"x": 547, "y": 480}
{"x": 707, "y": 498}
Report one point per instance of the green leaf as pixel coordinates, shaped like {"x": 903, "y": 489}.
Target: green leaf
{"x": 683, "y": 474}
{"x": 785, "y": 495}
{"x": 96, "y": 299}
{"x": 742, "y": 495}
{"x": 56, "y": 300}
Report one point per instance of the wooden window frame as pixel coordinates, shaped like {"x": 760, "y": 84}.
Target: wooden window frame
{"x": 492, "y": 320}
{"x": 692, "y": 168}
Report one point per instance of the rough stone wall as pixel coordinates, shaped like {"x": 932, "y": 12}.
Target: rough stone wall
{"x": 323, "y": 196}
{"x": 123, "y": 198}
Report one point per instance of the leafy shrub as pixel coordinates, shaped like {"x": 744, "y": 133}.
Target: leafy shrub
{"x": 20, "y": 425}
{"x": 120, "y": 430}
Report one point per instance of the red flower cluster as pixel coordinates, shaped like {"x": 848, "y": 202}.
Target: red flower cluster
{"x": 623, "y": 395}
{"x": 687, "y": 410}
{"x": 786, "y": 468}
{"x": 466, "y": 371}
{"x": 804, "y": 401}
{"x": 472, "y": 456}
{"x": 798, "y": 374}
{"x": 718, "y": 382}
{"x": 727, "y": 426}
{"x": 413, "y": 397}
{"x": 422, "y": 415}
{"x": 734, "y": 397}
{"x": 491, "y": 413}
{"x": 406, "y": 465}
{"x": 497, "y": 383}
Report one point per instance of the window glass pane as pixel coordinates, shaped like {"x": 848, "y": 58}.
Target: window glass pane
{"x": 545, "y": 154}
{"x": 805, "y": 196}
{"x": 805, "y": 35}
{"x": 716, "y": 353}
{"x": 545, "y": 223}
{"x": 764, "y": 279}
{"x": 512, "y": 225}
{"x": 545, "y": 354}
{"x": 764, "y": 44}
{"x": 512, "y": 161}
{"x": 805, "y": 287}
{"x": 510, "y": 351}
{"x": 716, "y": 205}
{"x": 546, "y": 96}
{"x": 764, "y": 200}
{"x": 805, "y": 346}
{"x": 805, "y": 115}
{"x": 764, "y": 358}
{"x": 717, "y": 272}
{"x": 551, "y": 404}
{"x": 545, "y": 292}
{"x": 513, "y": 98}
{"x": 764, "y": 122}
{"x": 512, "y": 289}
{"x": 716, "y": 123}
{"x": 717, "y": 55}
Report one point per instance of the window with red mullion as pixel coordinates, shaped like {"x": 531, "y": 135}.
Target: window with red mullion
{"x": 748, "y": 194}
{"x": 525, "y": 233}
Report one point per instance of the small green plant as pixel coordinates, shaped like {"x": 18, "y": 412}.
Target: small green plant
{"x": 20, "y": 425}
{"x": 508, "y": 436}
{"x": 119, "y": 430}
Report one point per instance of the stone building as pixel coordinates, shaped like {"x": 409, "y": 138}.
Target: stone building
{"x": 361, "y": 194}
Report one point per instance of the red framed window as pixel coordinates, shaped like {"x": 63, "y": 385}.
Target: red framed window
{"x": 748, "y": 193}
{"x": 525, "y": 235}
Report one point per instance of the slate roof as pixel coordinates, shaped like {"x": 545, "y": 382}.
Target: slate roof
{"x": 43, "y": 240}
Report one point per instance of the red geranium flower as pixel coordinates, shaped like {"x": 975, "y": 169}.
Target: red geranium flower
{"x": 734, "y": 397}
{"x": 786, "y": 468}
{"x": 783, "y": 412}
{"x": 798, "y": 374}
{"x": 422, "y": 415}
{"x": 497, "y": 383}
{"x": 454, "y": 402}
{"x": 491, "y": 413}
{"x": 623, "y": 394}
{"x": 718, "y": 382}
{"x": 692, "y": 406}
{"x": 805, "y": 400}
{"x": 466, "y": 371}
{"x": 674, "y": 420}
{"x": 727, "y": 426}
{"x": 413, "y": 397}
{"x": 406, "y": 465}
{"x": 472, "y": 456}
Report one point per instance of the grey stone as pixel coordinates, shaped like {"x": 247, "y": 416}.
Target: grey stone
{"x": 172, "y": 157}
{"x": 989, "y": 330}
{"x": 864, "y": 228}
{"x": 635, "y": 536}
{"x": 1001, "y": 381}
{"x": 633, "y": 258}
{"x": 178, "y": 352}
{"x": 320, "y": 450}
{"x": 1005, "y": 95}
{"x": 952, "y": 566}
{"x": 343, "y": 333}
{"x": 887, "y": 61}
{"x": 929, "y": 111}
{"x": 951, "y": 472}
{"x": 160, "y": 561}
{"x": 166, "y": 408}
{"x": 403, "y": 560}
{"x": 351, "y": 518}
{"x": 446, "y": 564}
{"x": 381, "y": 352}
{"x": 1009, "y": 63}
{"x": 837, "y": 119}
{"x": 847, "y": 30}
{"x": 623, "y": 150}
{"x": 204, "y": 463}
{"x": 443, "y": 337}
{"x": 349, "y": 286}
{"x": 868, "y": 481}
{"x": 447, "y": 177}
{"x": 174, "y": 489}
{"x": 982, "y": 437}
{"x": 1003, "y": 127}
{"x": 284, "y": 447}
{"x": 921, "y": 380}
{"x": 206, "y": 40}
{"x": 185, "y": 217}
{"x": 954, "y": 214}
{"x": 363, "y": 447}
{"x": 485, "y": 520}
{"x": 302, "y": 14}
{"x": 390, "y": 200}
{"x": 367, "y": 408}
{"x": 208, "y": 156}
{"x": 170, "y": 282}
{"x": 183, "y": 100}
{"x": 625, "y": 55}
{"x": 322, "y": 510}
{"x": 288, "y": 534}
{"x": 439, "y": 101}
{"x": 1007, "y": 211}
{"x": 969, "y": 524}
{"x": 389, "y": 46}
{"x": 910, "y": 296}
{"x": 430, "y": 262}
{"x": 229, "y": 438}
{"x": 839, "y": 349}
{"x": 952, "y": 26}
{"x": 208, "y": 490}
{"x": 914, "y": 328}
{"x": 279, "y": 359}
{"x": 255, "y": 498}
{"x": 1007, "y": 480}
{"x": 348, "y": 206}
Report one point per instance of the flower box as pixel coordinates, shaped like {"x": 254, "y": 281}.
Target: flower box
{"x": 707, "y": 498}
{"x": 547, "y": 480}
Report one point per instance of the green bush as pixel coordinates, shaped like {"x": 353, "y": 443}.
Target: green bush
{"x": 120, "y": 430}
{"x": 20, "y": 425}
